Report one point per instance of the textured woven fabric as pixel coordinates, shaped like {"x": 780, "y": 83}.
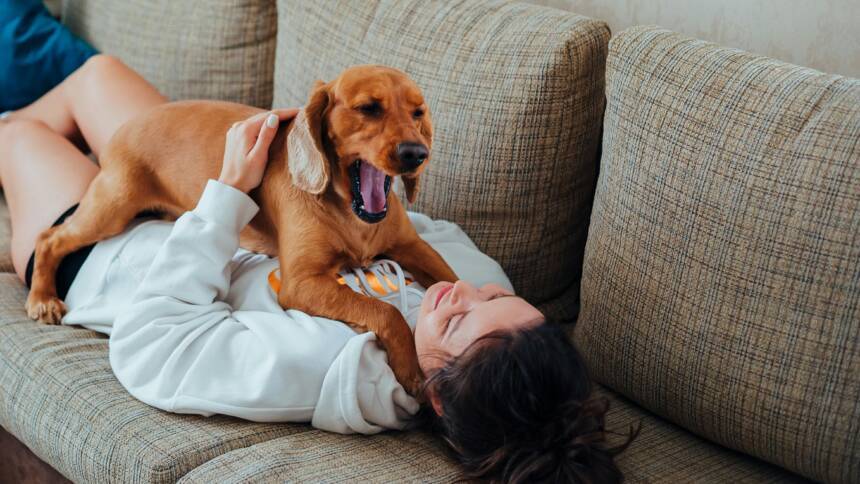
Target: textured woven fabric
{"x": 318, "y": 456}
{"x": 5, "y": 238}
{"x": 721, "y": 282}
{"x": 59, "y": 396}
{"x": 218, "y": 49}
{"x": 516, "y": 95}
{"x": 661, "y": 453}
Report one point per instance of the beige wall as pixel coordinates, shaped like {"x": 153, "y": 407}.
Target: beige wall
{"x": 53, "y": 7}
{"x": 822, "y": 34}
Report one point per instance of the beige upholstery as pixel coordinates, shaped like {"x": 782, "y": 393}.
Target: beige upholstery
{"x": 217, "y": 49}
{"x": 661, "y": 453}
{"x": 720, "y": 286}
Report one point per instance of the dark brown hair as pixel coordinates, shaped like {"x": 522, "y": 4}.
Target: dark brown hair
{"x": 517, "y": 406}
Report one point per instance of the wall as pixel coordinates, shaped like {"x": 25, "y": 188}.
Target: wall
{"x": 53, "y": 7}
{"x": 822, "y": 34}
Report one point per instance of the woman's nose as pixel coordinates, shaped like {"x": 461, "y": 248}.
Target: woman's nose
{"x": 462, "y": 291}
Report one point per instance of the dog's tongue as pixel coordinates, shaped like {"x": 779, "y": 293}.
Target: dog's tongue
{"x": 372, "y": 188}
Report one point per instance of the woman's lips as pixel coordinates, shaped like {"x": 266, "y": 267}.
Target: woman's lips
{"x": 442, "y": 292}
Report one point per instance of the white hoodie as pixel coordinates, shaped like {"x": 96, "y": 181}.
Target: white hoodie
{"x": 195, "y": 326}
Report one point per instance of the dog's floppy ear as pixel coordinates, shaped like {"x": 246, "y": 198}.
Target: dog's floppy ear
{"x": 410, "y": 183}
{"x": 309, "y": 167}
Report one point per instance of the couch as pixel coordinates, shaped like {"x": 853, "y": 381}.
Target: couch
{"x": 695, "y": 210}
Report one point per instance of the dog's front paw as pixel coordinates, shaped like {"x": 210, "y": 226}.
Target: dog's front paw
{"x": 408, "y": 374}
{"x": 45, "y": 309}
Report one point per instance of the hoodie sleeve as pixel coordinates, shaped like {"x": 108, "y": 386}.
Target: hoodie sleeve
{"x": 181, "y": 348}
{"x": 360, "y": 393}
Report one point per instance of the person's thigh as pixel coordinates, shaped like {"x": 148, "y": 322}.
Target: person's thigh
{"x": 42, "y": 174}
{"x": 106, "y": 95}
{"x": 94, "y": 101}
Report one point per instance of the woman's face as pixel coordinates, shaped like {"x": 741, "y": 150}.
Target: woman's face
{"x": 454, "y": 315}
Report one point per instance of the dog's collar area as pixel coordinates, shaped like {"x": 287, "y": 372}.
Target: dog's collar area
{"x": 359, "y": 207}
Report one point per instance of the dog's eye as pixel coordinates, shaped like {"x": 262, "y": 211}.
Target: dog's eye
{"x": 371, "y": 109}
{"x": 417, "y": 113}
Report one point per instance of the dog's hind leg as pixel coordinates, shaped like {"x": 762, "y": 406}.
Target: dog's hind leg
{"x": 110, "y": 203}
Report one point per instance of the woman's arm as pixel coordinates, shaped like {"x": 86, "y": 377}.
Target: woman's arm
{"x": 181, "y": 348}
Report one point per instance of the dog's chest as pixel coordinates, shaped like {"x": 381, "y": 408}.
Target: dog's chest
{"x": 365, "y": 246}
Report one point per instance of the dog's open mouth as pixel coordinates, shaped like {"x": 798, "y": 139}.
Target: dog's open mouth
{"x": 369, "y": 191}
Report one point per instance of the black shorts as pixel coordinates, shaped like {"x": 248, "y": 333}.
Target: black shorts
{"x": 69, "y": 266}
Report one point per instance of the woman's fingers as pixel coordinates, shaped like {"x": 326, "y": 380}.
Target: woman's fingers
{"x": 250, "y": 128}
{"x": 259, "y": 130}
{"x": 286, "y": 114}
{"x": 246, "y": 149}
{"x": 267, "y": 130}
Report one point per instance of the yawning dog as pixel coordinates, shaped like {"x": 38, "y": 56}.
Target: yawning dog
{"x": 325, "y": 200}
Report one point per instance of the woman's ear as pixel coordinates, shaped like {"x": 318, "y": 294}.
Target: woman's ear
{"x": 308, "y": 165}
{"x": 435, "y": 401}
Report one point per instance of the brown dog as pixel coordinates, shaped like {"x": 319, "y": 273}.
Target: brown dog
{"x": 324, "y": 199}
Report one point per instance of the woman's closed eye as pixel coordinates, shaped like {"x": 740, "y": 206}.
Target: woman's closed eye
{"x": 450, "y": 320}
{"x": 460, "y": 316}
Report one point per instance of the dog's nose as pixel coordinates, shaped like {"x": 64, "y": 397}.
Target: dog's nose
{"x": 411, "y": 154}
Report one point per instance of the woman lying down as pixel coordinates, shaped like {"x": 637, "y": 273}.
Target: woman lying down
{"x": 195, "y": 326}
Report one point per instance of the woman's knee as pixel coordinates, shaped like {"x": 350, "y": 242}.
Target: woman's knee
{"x": 20, "y": 132}
{"x": 103, "y": 66}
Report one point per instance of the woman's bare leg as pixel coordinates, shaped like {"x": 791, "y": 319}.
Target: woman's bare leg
{"x": 41, "y": 171}
{"x": 94, "y": 101}
{"x": 43, "y": 174}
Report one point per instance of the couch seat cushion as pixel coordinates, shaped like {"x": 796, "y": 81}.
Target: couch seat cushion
{"x": 59, "y": 396}
{"x": 516, "y": 94}
{"x": 721, "y": 284}
{"x": 218, "y": 49}
{"x": 319, "y": 456}
{"x": 662, "y": 453}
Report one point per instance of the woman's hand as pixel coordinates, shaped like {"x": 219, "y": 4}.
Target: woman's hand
{"x": 246, "y": 151}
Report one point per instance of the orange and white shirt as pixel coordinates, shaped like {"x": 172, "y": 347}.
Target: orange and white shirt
{"x": 195, "y": 325}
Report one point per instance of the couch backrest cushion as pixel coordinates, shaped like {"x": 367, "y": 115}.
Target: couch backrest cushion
{"x": 217, "y": 49}
{"x": 516, "y": 95}
{"x": 721, "y": 282}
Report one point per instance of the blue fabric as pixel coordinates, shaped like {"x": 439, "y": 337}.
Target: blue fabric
{"x": 36, "y": 52}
